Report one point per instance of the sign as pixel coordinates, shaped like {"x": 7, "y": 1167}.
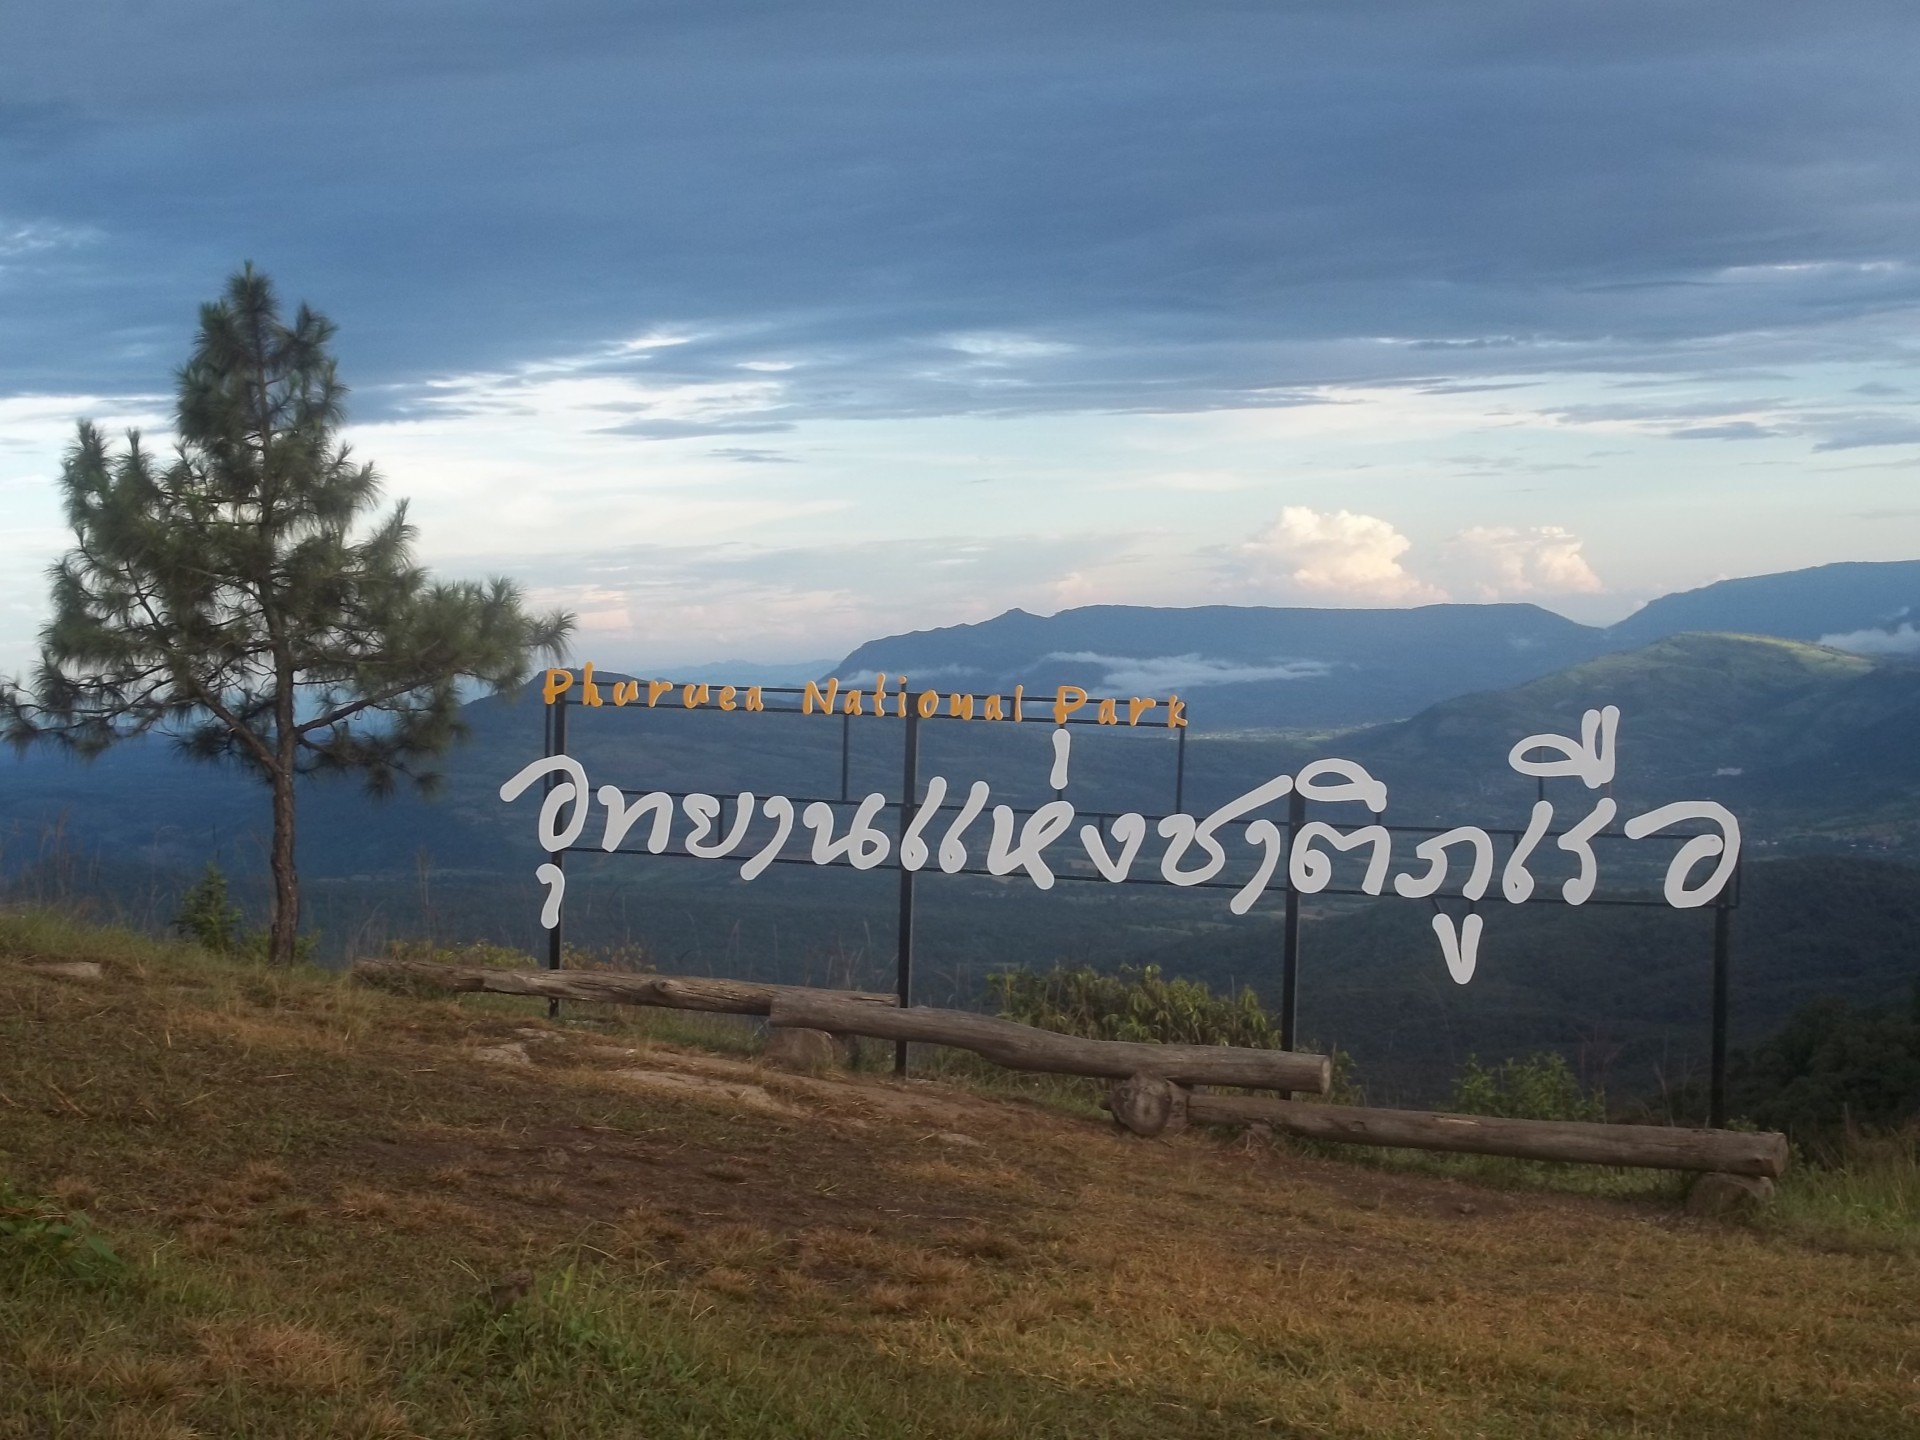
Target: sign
{"x": 955, "y": 827}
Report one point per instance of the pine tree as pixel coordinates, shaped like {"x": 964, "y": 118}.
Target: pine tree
{"x": 246, "y": 598}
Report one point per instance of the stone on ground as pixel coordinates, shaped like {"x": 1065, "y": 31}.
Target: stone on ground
{"x": 1729, "y": 1197}
{"x": 806, "y": 1052}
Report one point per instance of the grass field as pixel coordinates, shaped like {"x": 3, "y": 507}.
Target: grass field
{"x": 235, "y": 1202}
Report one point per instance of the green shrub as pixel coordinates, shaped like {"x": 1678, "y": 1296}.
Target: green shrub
{"x": 212, "y": 921}
{"x": 206, "y": 916}
{"x": 1833, "y": 1068}
{"x": 1132, "y": 1004}
{"x": 1540, "y": 1087}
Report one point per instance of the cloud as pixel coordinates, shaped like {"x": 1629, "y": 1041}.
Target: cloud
{"x": 1499, "y": 562}
{"x": 1105, "y": 208}
{"x": 1679, "y": 417}
{"x": 1000, "y": 348}
{"x": 1732, "y": 430}
{"x": 1076, "y": 588}
{"x": 1339, "y": 555}
{"x": 1159, "y": 673}
{"x": 34, "y": 237}
{"x": 1876, "y": 430}
{"x": 922, "y": 674}
{"x": 611, "y": 402}
{"x": 1902, "y": 640}
{"x": 651, "y": 605}
{"x": 608, "y": 218}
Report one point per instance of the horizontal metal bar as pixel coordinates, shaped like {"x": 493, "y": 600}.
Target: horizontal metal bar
{"x": 1277, "y": 887}
{"x": 1243, "y": 823}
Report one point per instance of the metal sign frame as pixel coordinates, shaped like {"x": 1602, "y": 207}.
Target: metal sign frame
{"x": 1728, "y": 899}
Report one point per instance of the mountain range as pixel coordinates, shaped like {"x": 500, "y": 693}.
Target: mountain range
{"x": 1261, "y": 667}
{"x": 1814, "y": 742}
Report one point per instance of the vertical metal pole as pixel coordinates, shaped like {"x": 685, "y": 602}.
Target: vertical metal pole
{"x": 909, "y": 793}
{"x": 846, "y": 744}
{"x": 1180, "y": 775}
{"x": 559, "y": 856}
{"x": 1722, "y": 958}
{"x": 1290, "y": 935}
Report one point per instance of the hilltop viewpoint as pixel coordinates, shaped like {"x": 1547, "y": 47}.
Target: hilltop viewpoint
{"x": 237, "y": 1200}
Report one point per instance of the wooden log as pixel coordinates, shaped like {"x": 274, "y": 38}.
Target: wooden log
{"x": 1148, "y": 1105}
{"x": 1662, "y": 1147}
{"x": 674, "y": 992}
{"x": 1023, "y": 1047}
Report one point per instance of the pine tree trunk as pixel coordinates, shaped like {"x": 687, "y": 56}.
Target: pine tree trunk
{"x": 286, "y": 881}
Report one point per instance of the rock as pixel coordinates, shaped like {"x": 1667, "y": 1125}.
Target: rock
{"x": 1148, "y": 1105}
{"x": 747, "y": 1097}
{"x": 73, "y": 970}
{"x": 1729, "y": 1197}
{"x": 806, "y": 1052}
{"x": 515, "y": 1054}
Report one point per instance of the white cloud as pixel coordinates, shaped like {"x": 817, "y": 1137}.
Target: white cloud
{"x": 1003, "y": 347}
{"x": 33, "y": 237}
{"x": 652, "y": 340}
{"x": 1199, "y": 482}
{"x": 924, "y": 675}
{"x": 603, "y": 402}
{"x": 644, "y": 605}
{"x": 1076, "y": 588}
{"x": 1144, "y": 676}
{"x": 1903, "y": 640}
{"x": 559, "y": 461}
{"x": 1339, "y": 555}
{"x": 1498, "y": 562}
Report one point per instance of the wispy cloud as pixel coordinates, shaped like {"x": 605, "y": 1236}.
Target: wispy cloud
{"x": 1865, "y": 432}
{"x": 1732, "y": 430}
{"x": 20, "y": 238}
{"x": 1902, "y": 639}
{"x": 1148, "y": 674}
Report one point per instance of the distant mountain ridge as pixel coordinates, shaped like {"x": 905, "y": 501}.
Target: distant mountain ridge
{"x": 1247, "y": 667}
{"x": 1813, "y": 744}
{"x": 1829, "y": 604}
{"x": 1271, "y": 667}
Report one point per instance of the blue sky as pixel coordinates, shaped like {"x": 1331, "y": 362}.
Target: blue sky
{"x": 760, "y": 329}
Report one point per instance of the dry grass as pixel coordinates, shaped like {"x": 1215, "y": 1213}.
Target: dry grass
{"x": 332, "y": 1221}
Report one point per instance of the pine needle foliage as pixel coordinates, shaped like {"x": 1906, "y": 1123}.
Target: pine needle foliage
{"x": 247, "y": 598}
